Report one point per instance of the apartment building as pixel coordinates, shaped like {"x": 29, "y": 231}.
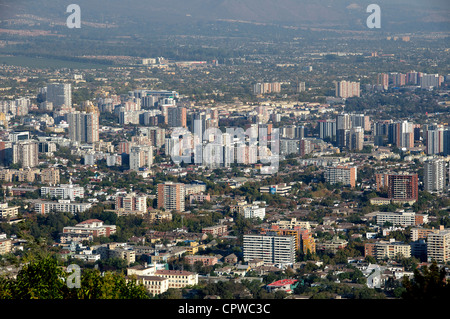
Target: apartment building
{"x": 171, "y": 196}
{"x": 8, "y": 212}
{"x": 381, "y": 250}
{"x": 93, "y": 227}
{"x": 63, "y": 191}
{"x": 438, "y": 246}
{"x": 280, "y": 189}
{"x": 217, "y": 230}
{"x": 62, "y": 205}
{"x": 178, "y": 278}
{"x": 155, "y": 285}
{"x": 205, "y": 260}
{"x": 270, "y": 247}
{"x": 397, "y": 218}
{"x": 131, "y": 203}
{"x": 341, "y": 174}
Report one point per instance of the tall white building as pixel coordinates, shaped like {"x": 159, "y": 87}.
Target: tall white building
{"x": 270, "y": 248}
{"x": 434, "y": 175}
{"x": 25, "y": 153}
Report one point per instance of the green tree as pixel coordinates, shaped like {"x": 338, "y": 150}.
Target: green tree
{"x": 428, "y": 283}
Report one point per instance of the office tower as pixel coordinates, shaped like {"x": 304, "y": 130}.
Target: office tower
{"x": 403, "y": 186}
{"x": 171, "y": 196}
{"x": 434, "y": 175}
{"x": 141, "y": 156}
{"x": 383, "y": 80}
{"x": 270, "y": 248}
{"x": 438, "y": 246}
{"x": 132, "y": 202}
{"x": 176, "y": 117}
{"x": 59, "y": 94}
{"x": 346, "y": 89}
{"x": 434, "y": 139}
{"x": 401, "y": 134}
{"x": 356, "y": 138}
{"x": 341, "y": 174}
{"x": 83, "y": 127}
{"x": 25, "y": 153}
{"x": 327, "y": 129}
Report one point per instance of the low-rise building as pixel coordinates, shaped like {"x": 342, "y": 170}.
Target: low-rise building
{"x": 8, "y": 212}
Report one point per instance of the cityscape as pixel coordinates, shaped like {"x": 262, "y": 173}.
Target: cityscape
{"x": 227, "y": 155}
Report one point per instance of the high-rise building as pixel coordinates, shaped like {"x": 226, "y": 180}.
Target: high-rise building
{"x": 398, "y": 79}
{"x": 446, "y": 143}
{"x": 270, "y": 248}
{"x": 267, "y": 87}
{"x": 401, "y": 134}
{"x": 434, "y": 139}
{"x": 427, "y": 81}
{"x": 383, "y": 80}
{"x": 50, "y": 176}
{"x": 403, "y": 186}
{"x": 131, "y": 203}
{"x": 25, "y": 153}
{"x": 176, "y": 117}
{"x": 341, "y": 174}
{"x": 438, "y": 246}
{"x": 327, "y": 129}
{"x": 434, "y": 175}
{"x": 356, "y": 138}
{"x": 171, "y": 196}
{"x": 59, "y": 94}
{"x": 346, "y": 89}
{"x": 83, "y": 127}
{"x": 141, "y": 156}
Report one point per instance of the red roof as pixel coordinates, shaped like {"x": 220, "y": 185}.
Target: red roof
{"x": 282, "y": 282}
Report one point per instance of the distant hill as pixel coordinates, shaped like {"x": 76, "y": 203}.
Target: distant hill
{"x": 402, "y": 15}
